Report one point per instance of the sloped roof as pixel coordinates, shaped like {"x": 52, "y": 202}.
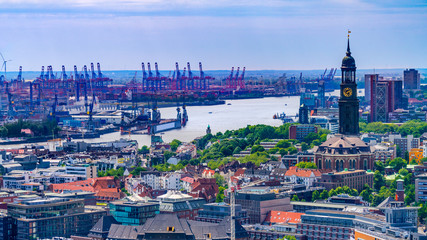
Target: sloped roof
{"x": 124, "y": 232}
{"x": 341, "y": 141}
{"x": 303, "y": 172}
{"x": 161, "y": 222}
{"x": 104, "y": 224}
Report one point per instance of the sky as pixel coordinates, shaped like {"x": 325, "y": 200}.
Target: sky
{"x": 258, "y": 35}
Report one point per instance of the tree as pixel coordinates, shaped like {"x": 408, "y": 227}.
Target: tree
{"x": 422, "y": 212}
{"x": 304, "y": 146}
{"x": 220, "y": 181}
{"x": 283, "y": 144}
{"x": 407, "y": 156}
{"x": 257, "y": 148}
{"x": 311, "y": 137}
{"x": 144, "y": 150}
{"x": 379, "y": 165}
{"x": 137, "y": 171}
{"x": 398, "y": 163}
{"x": 220, "y": 196}
{"x": 324, "y": 194}
{"x": 315, "y": 196}
{"x": 309, "y": 165}
{"x": 175, "y": 144}
{"x": 413, "y": 161}
{"x": 409, "y": 195}
{"x": 366, "y": 195}
{"x": 403, "y": 172}
{"x": 168, "y": 154}
{"x": 379, "y": 180}
{"x": 295, "y": 198}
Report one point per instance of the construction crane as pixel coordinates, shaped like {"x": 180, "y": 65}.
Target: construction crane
{"x": 232, "y": 210}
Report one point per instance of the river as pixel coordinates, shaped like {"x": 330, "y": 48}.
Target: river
{"x": 233, "y": 115}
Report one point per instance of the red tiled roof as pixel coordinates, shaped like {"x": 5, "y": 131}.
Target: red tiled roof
{"x": 102, "y": 187}
{"x": 302, "y": 172}
{"x": 205, "y": 188}
{"x": 207, "y": 171}
{"x": 283, "y": 217}
{"x": 187, "y": 179}
{"x": 239, "y": 172}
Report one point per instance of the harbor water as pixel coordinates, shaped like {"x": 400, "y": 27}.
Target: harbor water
{"x": 233, "y": 115}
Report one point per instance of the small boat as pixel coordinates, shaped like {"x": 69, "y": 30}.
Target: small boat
{"x": 228, "y": 103}
{"x": 210, "y": 112}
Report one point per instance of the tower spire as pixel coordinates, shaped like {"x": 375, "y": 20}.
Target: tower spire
{"x": 348, "y": 53}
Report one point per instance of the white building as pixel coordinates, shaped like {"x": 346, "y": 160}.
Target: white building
{"x": 171, "y": 181}
{"x": 303, "y": 176}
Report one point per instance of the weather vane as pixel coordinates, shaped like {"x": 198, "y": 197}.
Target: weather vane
{"x": 348, "y": 33}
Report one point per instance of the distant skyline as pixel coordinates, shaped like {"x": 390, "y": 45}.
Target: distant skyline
{"x": 260, "y": 35}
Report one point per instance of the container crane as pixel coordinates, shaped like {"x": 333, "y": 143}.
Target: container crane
{"x": 99, "y": 70}
{"x": 157, "y": 79}
{"x": 190, "y": 77}
{"x": 92, "y": 70}
{"x": 241, "y": 80}
{"x": 234, "y": 81}
{"x": 64, "y": 76}
{"x": 144, "y": 78}
{"x": 178, "y": 77}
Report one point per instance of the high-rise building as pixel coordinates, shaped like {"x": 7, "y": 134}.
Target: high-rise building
{"x": 348, "y": 102}
{"x": 381, "y": 102}
{"x": 303, "y": 114}
{"x": 384, "y": 95}
{"x": 370, "y": 81}
{"x": 411, "y": 78}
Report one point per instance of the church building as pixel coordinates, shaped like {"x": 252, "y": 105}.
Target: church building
{"x": 346, "y": 150}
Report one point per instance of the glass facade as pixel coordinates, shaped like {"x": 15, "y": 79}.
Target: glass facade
{"x": 133, "y": 213}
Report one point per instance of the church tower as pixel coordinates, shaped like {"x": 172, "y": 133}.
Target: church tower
{"x": 348, "y": 102}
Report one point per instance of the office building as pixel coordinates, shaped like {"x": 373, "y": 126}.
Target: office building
{"x": 216, "y": 212}
{"x": 303, "y": 114}
{"x": 421, "y": 188}
{"x": 52, "y": 217}
{"x": 384, "y": 96}
{"x": 411, "y": 78}
{"x": 299, "y": 132}
{"x": 128, "y": 212}
{"x": 259, "y": 203}
{"x": 7, "y": 227}
{"x": 85, "y": 170}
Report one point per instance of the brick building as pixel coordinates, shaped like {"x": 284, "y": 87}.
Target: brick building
{"x": 355, "y": 179}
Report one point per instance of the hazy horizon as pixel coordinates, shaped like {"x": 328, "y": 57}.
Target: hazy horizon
{"x": 269, "y": 34}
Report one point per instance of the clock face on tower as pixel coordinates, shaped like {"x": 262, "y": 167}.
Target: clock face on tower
{"x": 347, "y": 92}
